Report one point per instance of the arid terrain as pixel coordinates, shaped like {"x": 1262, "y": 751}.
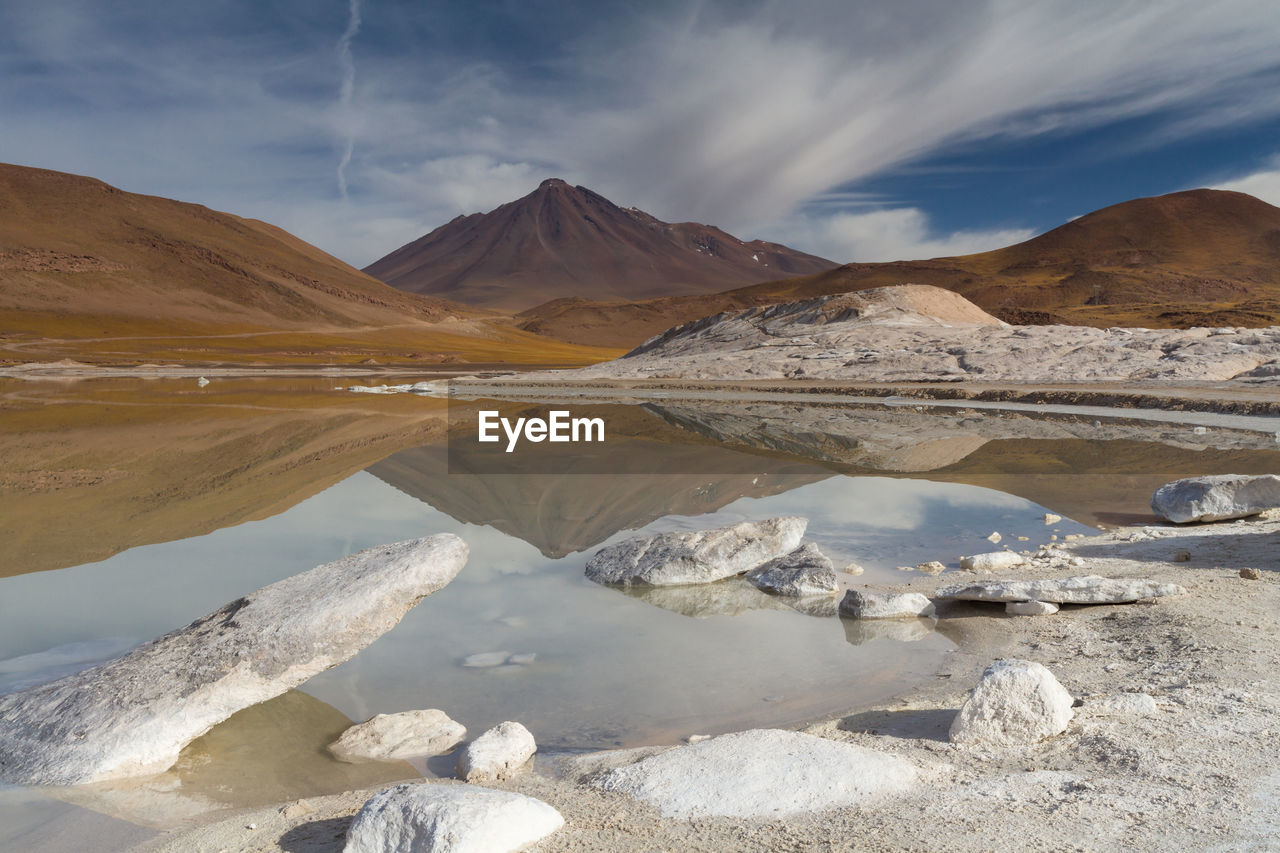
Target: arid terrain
{"x": 1195, "y": 258}
{"x": 91, "y": 272}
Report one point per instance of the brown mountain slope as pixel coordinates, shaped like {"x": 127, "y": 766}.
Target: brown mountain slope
{"x": 562, "y": 241}
{"x": 91, "y": 271}
{"x": 1201, "y": 257}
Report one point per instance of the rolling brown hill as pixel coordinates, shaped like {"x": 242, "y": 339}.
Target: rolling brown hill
{"x": 95, "y": 273}
{"x": 1195, "y": 258}
{"x": 562, "y": 241}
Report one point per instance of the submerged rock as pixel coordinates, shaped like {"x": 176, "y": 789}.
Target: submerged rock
{"x": 391, "y": 737}
{"x": 804, "y": 571}
{"x": 861, "y": 604}
{"x": 1216, "y": 498}
{"x": 762, "y": 773}
{"x": 1016, "y": 702}
{"x": 1087, "y": 589}
{"x": 452, "y": 818}
{"x": 672, "y": 559}
{"x": 133, "y": 715}
{"x": 497, "y": 754}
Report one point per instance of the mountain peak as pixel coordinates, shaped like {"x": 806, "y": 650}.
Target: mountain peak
{"x": 562, "y": 242}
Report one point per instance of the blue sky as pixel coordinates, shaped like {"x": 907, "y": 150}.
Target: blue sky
{"x": 856, "y": 130}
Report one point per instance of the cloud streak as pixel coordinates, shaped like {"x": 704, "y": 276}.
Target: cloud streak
{"x": 347, "y": 62}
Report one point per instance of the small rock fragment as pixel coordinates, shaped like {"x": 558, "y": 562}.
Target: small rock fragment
{"x": 933, "y": 567}
{"x": 1050, "y": 518}
{"x": 994, "y": 538}
{"x": 1030, "y": 608}
{"x": 853, "y": 569}
{"x": 884, "y": 605}
{"x": 1182, "y": 556}
{"x": 497, "y": 754}
{"x": 1251, "y": 574}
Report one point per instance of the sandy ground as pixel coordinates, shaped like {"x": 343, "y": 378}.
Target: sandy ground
{"x": 1198, "y": 775}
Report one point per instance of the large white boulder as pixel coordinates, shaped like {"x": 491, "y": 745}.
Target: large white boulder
{"x": 702, "y": 556}
{"x": 437, "y": 818}
{"x": 762, "y": 773}
{"x": 394, "y": 737}
{"x": 1016, "y": 702}
{"x": 132, "y": 716}
{"x": 1085, "y": 589}
{"x": 1217, "y": 498}
{"x": 804, "y": 571}
{"x": 861, "y": 604}
{"x": 497, "y": 754}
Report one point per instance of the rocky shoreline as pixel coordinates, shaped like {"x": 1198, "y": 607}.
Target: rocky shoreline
{"x": 1176, "y": 711}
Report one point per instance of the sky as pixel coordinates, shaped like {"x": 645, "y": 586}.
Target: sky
{"x": 854, "y": 130}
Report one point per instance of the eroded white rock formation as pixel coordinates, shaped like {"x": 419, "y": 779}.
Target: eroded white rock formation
{"x": 1216, "y": 498}
{"x": 761, "y": 773}
{"x": 702, "y": 556}
{"x": 392, "y": 737}
{"x": 804, "y": 571}
{"x": 1087, "y": 589}
{"x": 442, "y": 818}
{"x": 497, "y": 754}
{"x": 862, "y": 604}
{"x": 1016, "y": 702}
{"x": 133, "y": 715}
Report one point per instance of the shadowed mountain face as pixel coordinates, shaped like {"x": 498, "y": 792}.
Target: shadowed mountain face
{"x": 1195, "y": 258}
{"x": 563, "y": 242}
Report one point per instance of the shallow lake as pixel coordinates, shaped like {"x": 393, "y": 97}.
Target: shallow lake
{"x": 132, "y": 509}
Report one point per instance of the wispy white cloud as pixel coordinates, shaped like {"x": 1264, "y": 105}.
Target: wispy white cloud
{"x": 1263, "y": 184}
{"x": 889, "y": 234}
{"x": 347, "y": 62}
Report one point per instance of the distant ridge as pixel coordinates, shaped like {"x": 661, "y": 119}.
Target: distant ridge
{"x": 562, "y": 241}
{"x": 1194, "y": 258}
{"x": 93, "y": 272}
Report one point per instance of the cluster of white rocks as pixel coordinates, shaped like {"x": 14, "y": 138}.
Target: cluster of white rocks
{"x": 768, "y": 554}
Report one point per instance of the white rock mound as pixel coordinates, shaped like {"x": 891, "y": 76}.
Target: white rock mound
{"x": 133, "y": 715}
{"x": 804, "y": 571}
{"x": 918, "y": 333}
{"x": 762, "y": 773}
{"x": 861, "y": 604}
{"x": 672, "y": 559}
{"x": 497, "y": 754}
{"x": 1086, "y": 589}
{"x": 427, "y": 818}
{"x": 393, "y": 737}
{"x": 1016, "y": 702}
{"x": 1216, "y": 498}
